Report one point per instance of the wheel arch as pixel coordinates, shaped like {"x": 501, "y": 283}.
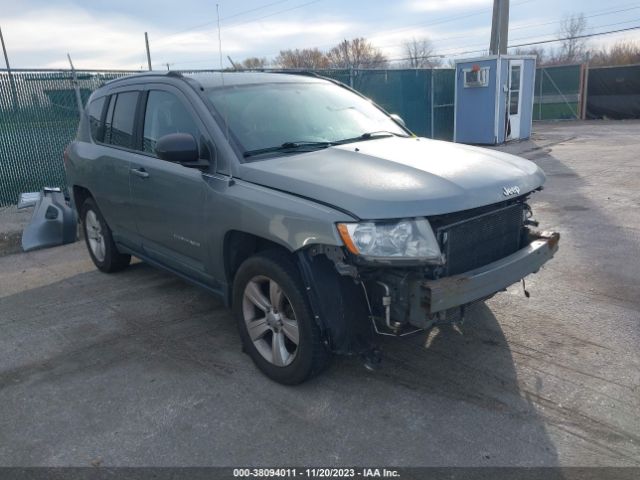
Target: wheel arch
{"x": 337, "y": 301}
{"x": 239, "y": 245}
{"x": 79, "y": 195}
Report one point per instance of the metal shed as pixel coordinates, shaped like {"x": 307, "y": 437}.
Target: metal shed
{"x": 494, "y": 98}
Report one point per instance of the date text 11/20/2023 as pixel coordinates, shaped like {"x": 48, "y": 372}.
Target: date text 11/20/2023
{"x": 315, "y": 473}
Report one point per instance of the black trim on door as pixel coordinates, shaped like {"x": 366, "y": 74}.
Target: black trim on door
{"x": 138, "y": 126}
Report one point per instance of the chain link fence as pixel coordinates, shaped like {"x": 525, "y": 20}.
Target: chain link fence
{"x": 558, "y": 91}
{"x": 38, "y": 118}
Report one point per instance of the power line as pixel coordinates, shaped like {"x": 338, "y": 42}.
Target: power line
{"x": 448, "y": 19}
{"x": 398, "y": 29}
{"x": 440, "y": 54}
{"x": 274, "y": 13}
{"x": 603, "y": 13}
{"x": 527, "y": 44}
{"x": 440, "y": 40}
{"x": 207, "y": 24}
{"x": 235, "y": 15}
{"x": 576, "y": 37}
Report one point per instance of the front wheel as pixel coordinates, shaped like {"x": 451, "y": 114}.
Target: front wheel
{"x": 276, "y": 326}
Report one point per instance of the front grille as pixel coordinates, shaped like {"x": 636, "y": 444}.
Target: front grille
{"x": 473, "y": 242}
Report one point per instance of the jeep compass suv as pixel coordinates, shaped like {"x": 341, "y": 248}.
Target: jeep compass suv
{"x": 316, "y": 216}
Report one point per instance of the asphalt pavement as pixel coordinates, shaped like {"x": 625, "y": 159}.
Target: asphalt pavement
{"x": 142, "y": 369}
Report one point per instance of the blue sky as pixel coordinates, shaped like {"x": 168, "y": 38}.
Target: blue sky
{"x": 110, "y": 34}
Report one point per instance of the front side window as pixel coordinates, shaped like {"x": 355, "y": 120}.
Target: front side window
{"x": 95, "y": 118}
{"x": 267, "y": 115}
{"x": 120, "y": 119}
{"x": 165, "y": 114}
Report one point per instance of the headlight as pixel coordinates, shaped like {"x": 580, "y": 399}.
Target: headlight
{"x": 408, "y": 239}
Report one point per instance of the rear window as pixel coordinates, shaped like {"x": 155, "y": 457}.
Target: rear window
{"x": 95, "y": 118}
{"x": 120, "y": 119}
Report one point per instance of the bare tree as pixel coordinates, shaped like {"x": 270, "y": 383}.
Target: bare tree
{"x": 624, "y": 52}
{"x": 572, "y": 49}
{"x": 254, "y": 63}
{"x": 420, "y": 53}
{"x": 310, "y": 58}
{"x": 356, "y": 53}
{"x": 539, "y": 52}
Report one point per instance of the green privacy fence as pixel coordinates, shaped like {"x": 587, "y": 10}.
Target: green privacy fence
{"x": 443, "y": 82}
{"x": 423, "y": 98}
{"x": 558, "y": 92}
{"x": 38, "y": 118}
{"x": 39, "y": 115}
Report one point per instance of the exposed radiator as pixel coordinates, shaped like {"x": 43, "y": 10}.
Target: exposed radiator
{"x": 479, "y": 240}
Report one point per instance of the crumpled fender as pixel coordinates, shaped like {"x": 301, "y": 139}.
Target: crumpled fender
{"x": 338, "y": 305}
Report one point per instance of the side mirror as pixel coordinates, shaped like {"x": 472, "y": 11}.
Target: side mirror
{"x": 178, "y": 148}
{"x": 398, "y": 119}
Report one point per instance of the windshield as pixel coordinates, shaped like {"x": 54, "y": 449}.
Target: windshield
{"x": 275, "y": 114}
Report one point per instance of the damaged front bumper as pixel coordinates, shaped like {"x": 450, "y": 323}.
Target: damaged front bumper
{"x": 399, "y": 300}
{"x": 446, "y": 293}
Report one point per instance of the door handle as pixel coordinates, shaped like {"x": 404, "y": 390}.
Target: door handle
{"x": 140, "y": 172}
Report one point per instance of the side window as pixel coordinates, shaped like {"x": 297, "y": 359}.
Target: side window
{"x": 120, "y": 119}
{"x": 166, "y": 114}
{"x": 95, "y": 118}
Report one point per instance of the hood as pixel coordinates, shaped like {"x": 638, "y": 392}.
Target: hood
{"x": 398, "y": 177}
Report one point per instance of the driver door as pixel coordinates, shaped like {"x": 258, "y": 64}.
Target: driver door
{"x": 169, "y": 198}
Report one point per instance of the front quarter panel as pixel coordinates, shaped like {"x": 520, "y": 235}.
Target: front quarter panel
{"x": 282, "y": 218}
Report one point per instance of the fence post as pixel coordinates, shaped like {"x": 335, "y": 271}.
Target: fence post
{"x": 540, "y": 94}
{"x": 76, "y": 87}
{"x": 585, "y": 90}
{"x": 351, "y": 77}
{"x": 433, "y": 72}
{"x": 14, "y": 91}
{"x": 146, "y": 42}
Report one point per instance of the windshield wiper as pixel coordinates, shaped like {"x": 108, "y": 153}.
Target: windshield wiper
{"x": 288, "y": 147}
{"x": 371, "y": 135}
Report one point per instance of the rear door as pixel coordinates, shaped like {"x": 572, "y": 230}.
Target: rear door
{"x": 170, "y": 198}
{"x": 110, "y": 181}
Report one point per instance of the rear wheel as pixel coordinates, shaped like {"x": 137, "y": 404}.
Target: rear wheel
{"x": 277, "y": 328}
{"x": 99, "y": 240}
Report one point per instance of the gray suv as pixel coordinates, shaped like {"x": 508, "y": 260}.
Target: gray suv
{"x": 315, "y": 215}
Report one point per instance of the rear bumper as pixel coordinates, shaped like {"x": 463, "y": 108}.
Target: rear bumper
{"x": 457, "y": 290}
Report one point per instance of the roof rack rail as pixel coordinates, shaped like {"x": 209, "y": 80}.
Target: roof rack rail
{"x": 145, "y": 74}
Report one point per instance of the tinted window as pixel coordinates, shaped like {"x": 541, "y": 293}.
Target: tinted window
{"x": 95, "y": 118}
{"x": 166, "y": 114}
{"x": 120, "y": 119}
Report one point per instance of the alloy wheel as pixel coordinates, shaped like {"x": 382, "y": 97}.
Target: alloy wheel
{"x": 93, "y": 231}
{"x": 271, "y": 322}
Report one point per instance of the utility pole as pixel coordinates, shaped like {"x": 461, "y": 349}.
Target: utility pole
{"x": 146, "y": 42}
{"x": 14, "y": 91}
{"x": 499, "y": 28}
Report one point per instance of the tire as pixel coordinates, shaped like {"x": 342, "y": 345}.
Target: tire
{"x": 99, "y": 240}
{"x": 269, "y": 278}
